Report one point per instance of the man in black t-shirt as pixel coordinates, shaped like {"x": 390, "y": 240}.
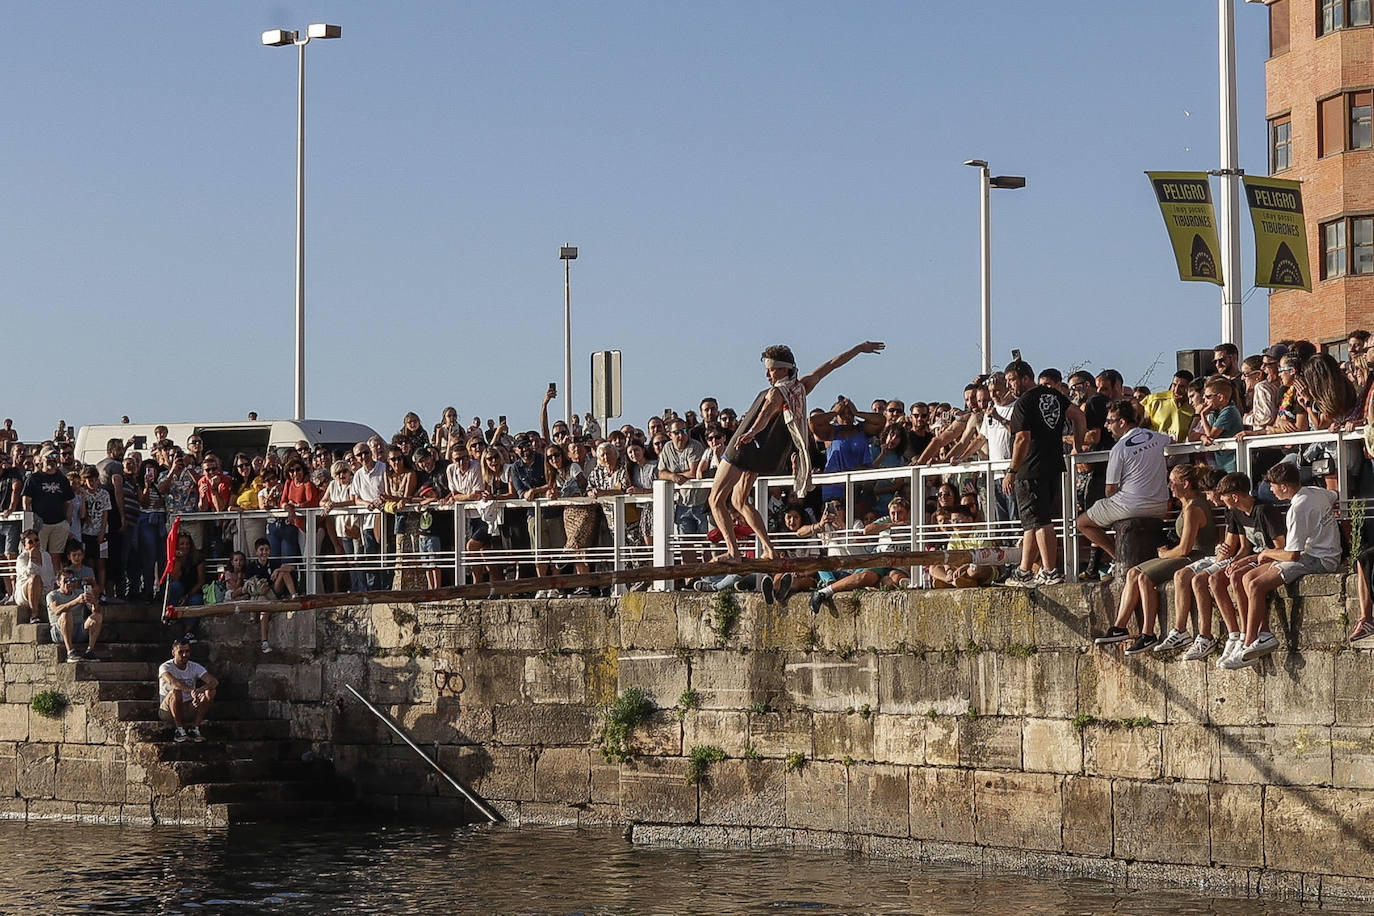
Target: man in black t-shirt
{"x": 48, "y": 494}
{"x": 1091, "y": 478}
{"x": 1037, "y": 468}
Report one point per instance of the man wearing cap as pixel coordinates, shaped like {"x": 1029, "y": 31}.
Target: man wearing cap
{"x": 74, "y": 616}
{"x": 1265, "y": 401}
{"x": 48, "y": 494}
{"x": 185, "y": 692}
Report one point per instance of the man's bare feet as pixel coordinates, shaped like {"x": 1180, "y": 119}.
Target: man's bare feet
{"x": 728, "y": 559}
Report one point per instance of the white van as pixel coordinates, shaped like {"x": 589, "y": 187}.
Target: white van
{"x": 252, "y": 437}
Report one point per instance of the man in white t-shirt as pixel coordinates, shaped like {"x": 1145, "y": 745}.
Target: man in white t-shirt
{"x": 185, "y": 692}
{"x": 369, "y": 483}
{"x": 1137, "y": 477}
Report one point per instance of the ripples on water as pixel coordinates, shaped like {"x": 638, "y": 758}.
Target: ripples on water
{"x": 381, "y": 868}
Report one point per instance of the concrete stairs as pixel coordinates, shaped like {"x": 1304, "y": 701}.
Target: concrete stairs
{"x": 248, "y": 768}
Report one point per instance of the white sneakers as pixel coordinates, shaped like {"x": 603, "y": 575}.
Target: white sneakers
{"x": 1177, "y": 639}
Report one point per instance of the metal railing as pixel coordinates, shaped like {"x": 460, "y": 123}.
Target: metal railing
{"x": 396, "y": 553}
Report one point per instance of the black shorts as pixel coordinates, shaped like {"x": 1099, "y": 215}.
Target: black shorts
{"x": 1037, "y": 500}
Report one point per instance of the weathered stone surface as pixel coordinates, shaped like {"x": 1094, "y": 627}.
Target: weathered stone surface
{"x": 88, "y": 773}
{"x": 1185, "y": 689}
{"x": 812, "y": 796}
{"x": 543, "y": 725}
{"x": 1162, "y": 822}
{"x": 998, "y": 684}
{"x": 581, "y": 626}
{"x": 554, "y": 678}
{"x": 1051, "y": 746}
{"x": 14, "y": 721}
{"x": 605, "y": 783}
{"x": 70, "y": 726}
{"x": 777, "y": 734}
{"x": 563, "y": 775}
{"x": 899, "y": 739}
{"x": 391, "y": 679}
{"x": 1064, "y": 618}
{"x": 745, "y": 793}
{"x": 941, "y": 804}
{"x": 1323, "y": 831}
{"x": 835, "y": 628}
{"x": 1302, "y": 690}
{"x": 885, "y": 622}
{"x": 837, "y": 735}
{"x": 990, "y": 742}
{"x": 915, "y": 684}
{"x": 655, "y": 790}
{"x": 504, "y": 773}
{"x": 1020, "y": 810}
{"x": 1353, "y": 674}
{"x": 728, "y": 680}
{"x": 943, "y": 740}
{"x": 515, "y": 625}
{"x": 937, "y": 624}
{"x": 1118, "y": 687}
{"x": 1113, "y": 750}
{"x": 1191, "y": 752}
{"x": 996, "y": 620}
{"x": 658, "y": 736}
{"x": 726, "y": 729}
{"x": 1235, "y": 697}
{"x": 1052, "y": 683}
{"x": 662, "y": 675}
{"x": 648, "y": 620}
{"x": 1086, "y": 810}
{"x": 36, "y": 770}
{"x": 878, "y": 799}
{"x": 1352, "y": 757}
{"x": 830, "y": 683}
{"x": 1237, "y": 830}
{"x": 1282, "y": 754}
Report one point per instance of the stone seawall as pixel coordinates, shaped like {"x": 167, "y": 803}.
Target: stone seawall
{"x": 976, "y": 726}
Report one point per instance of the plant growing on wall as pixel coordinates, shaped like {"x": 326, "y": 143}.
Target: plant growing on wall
{"x": 629, "y": 710}
{"x": 794, "y": 761}
{"x": 724, "y": 614}
{"x": 48, "y": 703}
{"x": 690, "y": 699}
{"x": 700, "y": 760}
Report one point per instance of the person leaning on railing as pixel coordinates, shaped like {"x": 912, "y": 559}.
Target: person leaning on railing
{"x": 338, "y": 498}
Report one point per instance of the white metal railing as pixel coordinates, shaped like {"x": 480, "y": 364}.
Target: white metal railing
{"x": 319, "y": 558}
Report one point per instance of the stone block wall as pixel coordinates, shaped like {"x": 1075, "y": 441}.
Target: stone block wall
{"x": 977, "y": 726}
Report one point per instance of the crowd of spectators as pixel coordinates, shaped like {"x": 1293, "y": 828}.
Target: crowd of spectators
{"x": 117, "y": 511}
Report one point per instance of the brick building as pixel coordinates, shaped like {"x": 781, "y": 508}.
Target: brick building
{"x": 1319, "y": 79}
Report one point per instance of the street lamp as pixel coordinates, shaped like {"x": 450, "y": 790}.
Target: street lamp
{"x": 567, "y": 254}
{"x": 276, "y": 38}
{"x": 986, "y": 182}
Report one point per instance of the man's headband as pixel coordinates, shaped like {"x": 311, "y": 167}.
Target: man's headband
{"x": 777, "y": 364}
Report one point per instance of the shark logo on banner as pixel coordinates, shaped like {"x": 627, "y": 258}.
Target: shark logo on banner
{"x": 1280, "y": 233}
{"x": 1185, "y": 200}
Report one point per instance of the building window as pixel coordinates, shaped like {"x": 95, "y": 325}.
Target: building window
{"x": 1334, "y": 15}
{"x": 1344, "y": 122}
{"x": 1280, "y": 144}
{"x": 1333, "y": 249}
{"x": 1362, "y": 245}
{"x": 1360, "y": 119}
{"x": 1278, "y": 28}
{"x": 1348, "y": 247}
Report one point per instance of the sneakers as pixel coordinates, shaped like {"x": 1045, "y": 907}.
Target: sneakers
{"x": 1234, "y": 643}
{"x": 701, "y": 585}
{"x": 817, "y": 598}
{"x": 784, "y": 587}
{"x": 179, "y": 736}
{"x": 266, "y": 647}
{"x": 88, "y": 655}
{"x": 74, "y": 656}
{"x": 1142, "y": 643}
{"x": 1264, "y": 643}
{"x": 194, "y": 734}
{"x": 1236, "y": 659}
{"x": 1202, "y": 647}
{"x": 1048, "y": 577}
{"x": 1020, "y": 578}
{"x": 1113, "y": 636}
{"x": 766, "y": 586}
{"x": 1177, "y": 639}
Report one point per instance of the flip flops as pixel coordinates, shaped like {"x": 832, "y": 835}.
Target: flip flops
{"x": 1363, "y": 630}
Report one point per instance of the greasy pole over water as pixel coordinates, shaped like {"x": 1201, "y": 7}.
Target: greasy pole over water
{"x": 511, "y": 587}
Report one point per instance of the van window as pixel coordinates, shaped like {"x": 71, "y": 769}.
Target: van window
{"x": 225, "y": 442}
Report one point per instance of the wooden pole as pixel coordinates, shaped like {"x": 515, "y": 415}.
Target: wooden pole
{"x": 509, "y": 587}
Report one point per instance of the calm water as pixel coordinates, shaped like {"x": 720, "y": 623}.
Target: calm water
{"x": 372, "y": 868}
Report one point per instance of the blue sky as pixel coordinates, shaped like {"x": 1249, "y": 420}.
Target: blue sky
{"x": 735, "y": 174}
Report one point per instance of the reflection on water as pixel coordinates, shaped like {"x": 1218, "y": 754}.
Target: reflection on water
{"x": 381, "y": 868}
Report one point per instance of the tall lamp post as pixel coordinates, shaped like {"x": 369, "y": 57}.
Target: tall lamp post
{"x": 275, "y": 38}
{"x": 986, "y": 182}
{"x": 567, "y": 254}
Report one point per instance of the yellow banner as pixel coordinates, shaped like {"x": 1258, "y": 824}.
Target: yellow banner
{"x": 1185, "y": 199}
{"x": 1280, "y": 233}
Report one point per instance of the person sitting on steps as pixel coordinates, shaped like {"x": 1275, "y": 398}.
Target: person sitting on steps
{"x": 185, "y": 692}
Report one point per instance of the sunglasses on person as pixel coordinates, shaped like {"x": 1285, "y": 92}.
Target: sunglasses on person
{"x": 552, "y": 455}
